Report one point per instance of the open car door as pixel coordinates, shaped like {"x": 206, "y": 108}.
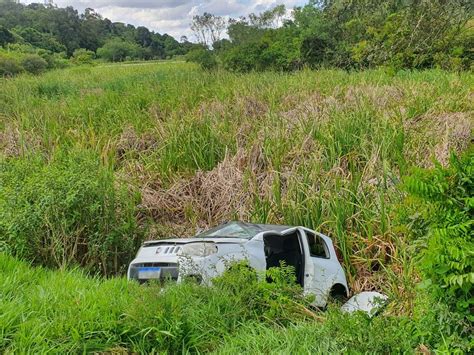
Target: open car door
{"x": 318, "y": 272}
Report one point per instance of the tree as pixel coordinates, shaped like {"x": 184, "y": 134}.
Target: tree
{"x": 118, "y": 50}
{"x": 242, "y": 31}
{"x": 208, "y": 28}
{"x": 204, "y": 57}
{"x": 5, "y": 36}
{"x": 40, "y": 39}
{"x": 64, "y": 29}
{"x": 143, "y": 36}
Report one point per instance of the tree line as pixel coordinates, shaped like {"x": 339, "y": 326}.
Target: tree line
{"x": 413, "y": 34}
{"x": 54, "y": 30}
{"x": 347, "y": 34}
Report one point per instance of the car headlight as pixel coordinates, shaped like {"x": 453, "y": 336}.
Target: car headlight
{"x": 199, "y": 249}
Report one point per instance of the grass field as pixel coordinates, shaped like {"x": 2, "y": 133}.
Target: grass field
{"x": 95, "y": 159}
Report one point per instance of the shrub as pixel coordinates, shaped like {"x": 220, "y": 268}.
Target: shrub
{"x": 118, "y": 50}
{"x": 66, "y": 211}
{"x": 444, "y": 199}
{"x": 83, "y": 56}
{"x": 242, "y": 58}
{"x": 34, "y": 64}
{"x": 9, "y": 67}
{"x": 204, "y": 57}
{"x": 181, "y": 316}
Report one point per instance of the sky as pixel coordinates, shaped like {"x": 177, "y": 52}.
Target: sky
{"x": 171, "y": 16}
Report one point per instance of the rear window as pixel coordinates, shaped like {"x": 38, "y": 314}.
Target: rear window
{"x": 231, "y": 230}
{"x": 317, "y": 246}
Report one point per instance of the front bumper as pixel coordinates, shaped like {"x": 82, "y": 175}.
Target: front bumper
{"x": 169, "y": 271}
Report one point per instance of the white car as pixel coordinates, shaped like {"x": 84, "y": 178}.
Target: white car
{"x": 263, "y": 246}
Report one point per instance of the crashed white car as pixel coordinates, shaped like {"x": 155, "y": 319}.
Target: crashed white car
{"x": 264, "y": 246}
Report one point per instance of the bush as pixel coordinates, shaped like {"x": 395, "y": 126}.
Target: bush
{"x": 34, "y": 64}
{"x": 66, "y": 211}
{"x": 204, "y": 57}
{"x": 118, "y": 50}
{"x": 9, "y": 66}
{"x": 83, "y": 56}
{"x": 443, "y": 201}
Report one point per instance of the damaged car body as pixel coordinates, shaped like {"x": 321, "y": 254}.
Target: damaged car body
{"x": 262, "y": 246}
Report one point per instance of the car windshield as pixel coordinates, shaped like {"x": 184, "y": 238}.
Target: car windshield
{"x": 231, "y": 230}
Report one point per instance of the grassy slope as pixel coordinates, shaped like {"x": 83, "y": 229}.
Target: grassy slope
{"x": 325, "y": 149}
{"x": 65, "y": 311}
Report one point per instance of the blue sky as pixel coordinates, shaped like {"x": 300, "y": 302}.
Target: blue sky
{"x": 171, "y": 16}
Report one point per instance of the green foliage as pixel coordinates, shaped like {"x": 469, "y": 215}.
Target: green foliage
{"x": 40, "y": 39}
{"x": 83, "y": 56}
{"x": 5, "y": 36}
{"x": 191, "y": 146}
{"x": 204, "y": 57}
{"x": 118, "y": 50}
{"x": 65, "y": 29}
{"x": 9, "y": 66}
{"x": 348, "y": 34}
{"x": 446, "y": 203}
{"x": 66, "y": 211}
{"x": 322, "y": 149}
{"x": 34, "y": 64}
{"x": 68, "y": 312}
{"x": 242, "y": 58}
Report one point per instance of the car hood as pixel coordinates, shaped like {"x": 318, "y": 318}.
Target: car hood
{"x": 178, "y": 241}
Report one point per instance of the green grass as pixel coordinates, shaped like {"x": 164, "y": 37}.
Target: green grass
{"x": 321, "y": 148}
{"x": 171, "y": 149}
{"x": 66, "y": 311}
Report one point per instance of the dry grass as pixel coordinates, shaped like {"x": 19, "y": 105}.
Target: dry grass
{"x": 14, "y": 142}
{"x": 250, "y": 107}
{"x": 368, "y": 260}
{"x": 314, "y": 106}
{"x": 381, "y": 97}
{"x": 205, "y": 199}
{"x": 132, "y": 142}
{"x": 440, "y": 135}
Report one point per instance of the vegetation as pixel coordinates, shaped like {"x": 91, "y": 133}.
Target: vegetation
{"x": 447, "y": 235}
{"x": 66, "y": 210}
{"x": 346, "y": 34}
{"x": 336, "y": 33}
{"x": 59, "y": 33}
{"x": 65, "y": 312}
{"x": 94, "y": 159}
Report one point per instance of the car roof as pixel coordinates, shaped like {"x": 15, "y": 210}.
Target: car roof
{"x": 271, "y": 227}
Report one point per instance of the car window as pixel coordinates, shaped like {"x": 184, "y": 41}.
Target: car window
{"x": 317, "y": 246}
{"x": 231, "y": 230}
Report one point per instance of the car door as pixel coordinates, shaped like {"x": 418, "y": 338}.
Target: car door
{"x": 318, "y": 272}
